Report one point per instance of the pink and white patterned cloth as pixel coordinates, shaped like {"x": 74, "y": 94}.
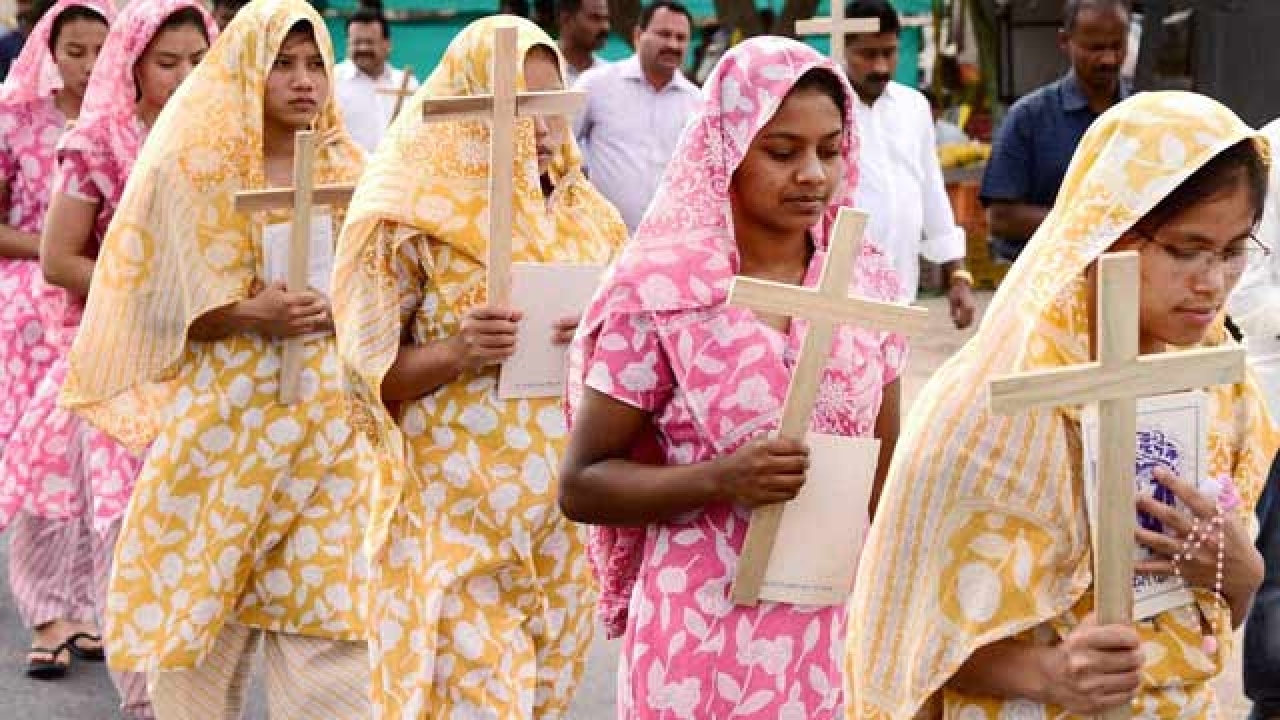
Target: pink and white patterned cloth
{"x": 50, "y": 444}
{"x": 30, "y": 127}
{"x": 660, "y": 337}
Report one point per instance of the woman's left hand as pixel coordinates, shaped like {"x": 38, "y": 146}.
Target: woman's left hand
{"x": 564, "y": 329}
{"x": 1242, "y": 566}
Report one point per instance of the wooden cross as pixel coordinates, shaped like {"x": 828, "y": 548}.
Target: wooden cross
{"x": 301, "y": 197}
{"x": 824, "y": 307}
{"x": 401, "y": 92}
{"x": 837, "y": 27}
{"x": 1116, "y": 380}
{"x": 502, "y": 107}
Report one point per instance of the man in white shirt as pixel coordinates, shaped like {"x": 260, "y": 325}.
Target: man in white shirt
{"x": 363, "y": 74}
{"x": 584, "y": 29}
{"x": 899, "y": 179}
{"x": 636, "y": 109}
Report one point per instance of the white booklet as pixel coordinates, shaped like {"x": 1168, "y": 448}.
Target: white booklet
{"x": 545, "y": 293}
{"x": 815, "y": 553}
{"x": 275, "y": 252}
{"x": 1173, "y": 432}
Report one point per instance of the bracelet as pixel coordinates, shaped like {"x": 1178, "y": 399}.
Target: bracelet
{"x": 964, "y": 275}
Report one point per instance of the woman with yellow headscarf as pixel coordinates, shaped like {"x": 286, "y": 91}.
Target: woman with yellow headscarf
{"x": 244, "y": 526}
{"x": 481, "y": 595}
{"x": 975, "y": 586}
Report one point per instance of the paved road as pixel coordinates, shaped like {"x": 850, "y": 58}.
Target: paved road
{"x": 87, "y": 694}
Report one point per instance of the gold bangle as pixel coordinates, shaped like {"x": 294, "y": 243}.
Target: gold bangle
{"x": 964, "y": 275}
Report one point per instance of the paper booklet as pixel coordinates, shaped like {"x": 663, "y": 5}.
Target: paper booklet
{"x": 1173, "y": 432}
{"x": 815, "y": 553}
{"x": 545, "y": 293}
{"x": 275, "y": 254}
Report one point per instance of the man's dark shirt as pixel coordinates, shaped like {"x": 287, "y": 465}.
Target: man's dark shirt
{"x": 1034, "y": 147}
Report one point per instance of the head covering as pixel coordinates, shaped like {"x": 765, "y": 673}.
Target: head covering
{"x": 108, "y": 131}
{"x": 981, "y": 533}
{"x": 684, "y": 256}
{"x": 35, "y": 74}
{"x": 433, "y": 179}
{"x": 177, "y": 248}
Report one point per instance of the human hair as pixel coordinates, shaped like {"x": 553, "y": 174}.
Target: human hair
{"x": 231, "y": 4}
{"x": 369, "y": 15}
{"x": 824, "y": 81}
{"x": 875, "y": 9}
{"x": 71, "y": 14}
{"x": 1071, "y": 10}
{"x": 569, "y": 7}
{"x": 302, "y": 28}
{"x": 1213, "y": 178}
{"x": 646, "y": 15}
{"x": 185, "y": 17}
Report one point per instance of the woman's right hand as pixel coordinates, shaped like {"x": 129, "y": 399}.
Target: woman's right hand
{"x": 1094, "y": 669}
{"x": 486, "y": 336}
{"x": 762, "y": 472}
{"x": 278, "y": 313}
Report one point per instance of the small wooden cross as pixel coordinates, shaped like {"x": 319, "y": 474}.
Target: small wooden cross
{"x": 837, "y": 27}
{"x": 301, "y": 197}
{"x": 1116, "y": 381}
{"x": 502, "y": 107}
{"x": 401, "y": 92}
{"x": 824, "y": 307}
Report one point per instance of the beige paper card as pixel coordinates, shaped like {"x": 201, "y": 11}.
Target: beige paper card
{"x": 545, "y": 293}
{"x": 816, "y": 553}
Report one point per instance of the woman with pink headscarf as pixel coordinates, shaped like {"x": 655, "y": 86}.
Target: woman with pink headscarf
{"x": 753, "y": 190}
{"x": 48, "y": 563}
{"x": 57, "y": 465}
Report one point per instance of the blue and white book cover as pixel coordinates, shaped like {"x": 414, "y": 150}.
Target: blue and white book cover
{"x": 1172, "y": 433}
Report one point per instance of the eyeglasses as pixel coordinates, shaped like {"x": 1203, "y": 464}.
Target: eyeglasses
{"x": 1236, "y": 257}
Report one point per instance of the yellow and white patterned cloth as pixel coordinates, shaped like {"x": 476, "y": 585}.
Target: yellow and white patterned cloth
{"x": 481, "y": 593}
{"x": 982, "y": 533}
{"x": 246, "y": 511}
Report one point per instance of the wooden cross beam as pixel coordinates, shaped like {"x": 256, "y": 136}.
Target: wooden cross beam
{"x": 1116, "y": 380}
{"x": 824, "y": 307}
{"x": 837, "y": 27}
{"x": 301, "y": 197}
{"x": 502, "y": 107}
{"x": 401, "y": 93}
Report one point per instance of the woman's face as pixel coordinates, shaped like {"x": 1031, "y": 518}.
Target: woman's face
{"x": 76, "y": 50}
{"x": 541, "y": 74}
{"x": 297, "y": 86}
{"x": 172, "y": 55}
{"x": 1191, "y": 264}
{"x": 793, "y": 165}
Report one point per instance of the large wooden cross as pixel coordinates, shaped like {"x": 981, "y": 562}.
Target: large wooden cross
{"x": 401, "y": 92}
{"x": 837, "y": 27}
{"x": 301, "y": 197}
{"x": 1116, "y": 380}
{"x": 824, "y": 307}
{"x": 502, "y": 107}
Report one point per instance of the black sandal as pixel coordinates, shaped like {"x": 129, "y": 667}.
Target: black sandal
{"x": 49, "y": 669}
{"x": 88, "y": 654}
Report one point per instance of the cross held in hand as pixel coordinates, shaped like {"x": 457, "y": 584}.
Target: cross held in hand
{"x": 502, "y": 107}
{"x": 837, "y": 27}
{"x": 301, "y": 197}
{"x": 824, "y": 307}
{"x": 401, "y": 92}
{"x": 1116, "y": 381}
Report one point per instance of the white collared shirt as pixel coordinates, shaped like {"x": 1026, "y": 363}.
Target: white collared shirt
{"x": 1255, "y": 304}
{"x": 367, "y": 112}
{"x": 574, "y": 73}
{"x": 900, "y": 183}
{"x": 628, "y": 132}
